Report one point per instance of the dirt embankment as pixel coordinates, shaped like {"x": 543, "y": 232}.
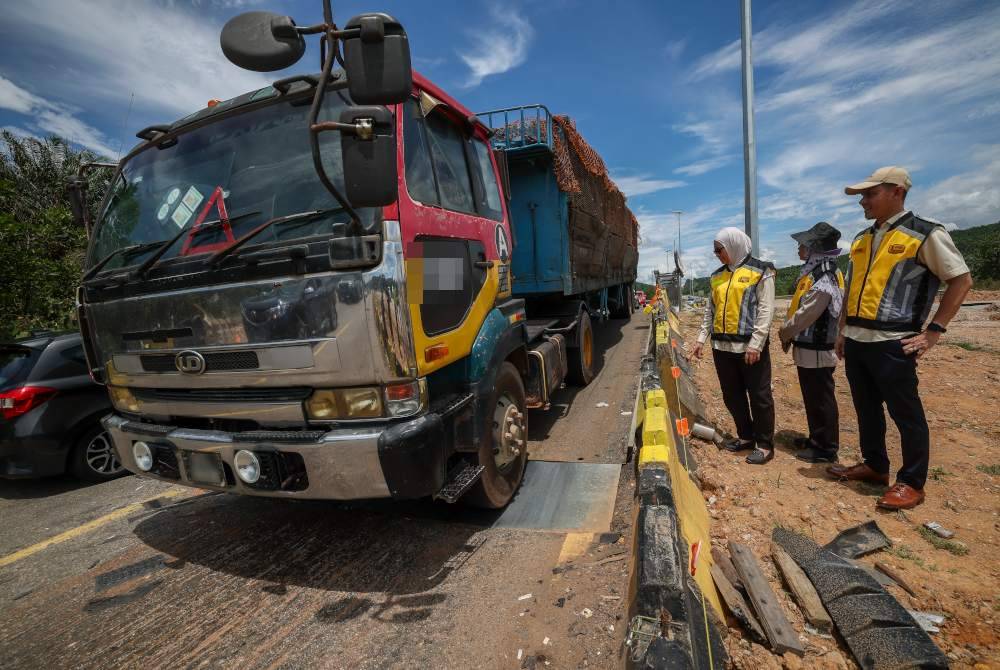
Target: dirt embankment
{"x": 960, "y": 387}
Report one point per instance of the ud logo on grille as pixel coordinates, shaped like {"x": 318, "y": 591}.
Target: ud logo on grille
{"x": 190, "y": 362}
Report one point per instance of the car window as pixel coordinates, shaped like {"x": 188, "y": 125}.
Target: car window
{"x": 15, "y": 364}
{"x": 60, "y": 361}
{"x": 448, "y": 154}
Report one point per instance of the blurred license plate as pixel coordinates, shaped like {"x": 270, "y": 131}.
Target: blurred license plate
{"x": 205, "y": 468}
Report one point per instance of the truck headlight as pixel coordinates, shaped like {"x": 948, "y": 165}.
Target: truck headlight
{"x": 123, "y": 399}
{"x": 356, "y": 403}
{"x": 143, "y": 456}
{"x": 247, "y": 466}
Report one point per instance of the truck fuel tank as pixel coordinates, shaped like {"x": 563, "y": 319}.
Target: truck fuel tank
{"x": 546, "y": 370}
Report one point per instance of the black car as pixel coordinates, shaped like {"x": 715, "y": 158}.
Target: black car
{"x": 50, "y": 411}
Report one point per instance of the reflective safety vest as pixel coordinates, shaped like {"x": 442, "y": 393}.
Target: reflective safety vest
{"x": 888, "y": 288}
{"x": 734, "y": 299}
{"x": 822, "y": 333}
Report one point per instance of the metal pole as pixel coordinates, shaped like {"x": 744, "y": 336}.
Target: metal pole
{"x": 749, "y": 144}
{"x": 678, "y": 213}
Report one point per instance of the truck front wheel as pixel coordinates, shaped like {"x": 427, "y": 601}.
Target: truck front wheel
{"x": 581, "y": 358}
{"x": 504, "y": 451}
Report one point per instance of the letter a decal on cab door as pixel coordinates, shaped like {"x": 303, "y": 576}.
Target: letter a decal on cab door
{"x": 503, "y": 246}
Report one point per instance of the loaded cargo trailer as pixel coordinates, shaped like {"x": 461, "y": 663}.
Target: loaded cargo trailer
{"x": 328, "y": 288}
{"x": 575, "y": 240}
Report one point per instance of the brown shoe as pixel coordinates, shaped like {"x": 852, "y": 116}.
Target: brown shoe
{"x": 901, "y": 496}
{"x": 859, "y": 473}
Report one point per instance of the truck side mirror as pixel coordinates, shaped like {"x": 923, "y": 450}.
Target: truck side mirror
{"x": 262, "y": 41}
{"x": 377, "y": 60}
{"x": 369, "y": 156}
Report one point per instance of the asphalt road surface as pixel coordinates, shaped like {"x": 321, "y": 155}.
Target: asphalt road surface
{"x": 139, "y": 574}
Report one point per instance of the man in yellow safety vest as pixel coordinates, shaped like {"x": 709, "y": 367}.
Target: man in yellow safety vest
{"x": 895, "y": 268}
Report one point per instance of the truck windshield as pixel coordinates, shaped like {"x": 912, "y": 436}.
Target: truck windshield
{"x": 243, "y": 170}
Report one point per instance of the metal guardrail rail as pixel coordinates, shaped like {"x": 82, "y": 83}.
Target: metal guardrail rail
{"x": 522, "y": 126}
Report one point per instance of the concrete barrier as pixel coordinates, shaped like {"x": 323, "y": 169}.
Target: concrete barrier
{"x": 675, "y": 616}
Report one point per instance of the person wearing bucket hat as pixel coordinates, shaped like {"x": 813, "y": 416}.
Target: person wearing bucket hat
{"x": 811, "y": 328}
{"x": 895, "y": 268}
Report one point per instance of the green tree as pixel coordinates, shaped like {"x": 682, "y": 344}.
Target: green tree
{"x": 41, "y": 248}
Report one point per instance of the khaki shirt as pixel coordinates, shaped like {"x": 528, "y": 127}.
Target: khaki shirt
{"x": 761, "y": 324}
{"x": 938, "y": 253}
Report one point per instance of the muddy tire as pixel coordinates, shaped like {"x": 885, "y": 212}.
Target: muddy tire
{"x": 504, "y": 449}
{"x": 94, "y": 458}
{"x": 581, "y": 358}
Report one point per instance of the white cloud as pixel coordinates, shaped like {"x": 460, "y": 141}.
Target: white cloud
{"x": 969, "y": 199}
{"x": 45, "y": 117}
{"x": 498, "y": 49}
{"x": 872, "y": 84}
{"x": 168, "y": 55}
{"x": 644, "y": 184}
{"x": 16, "y": 99}
{"x": 703, "y": 166}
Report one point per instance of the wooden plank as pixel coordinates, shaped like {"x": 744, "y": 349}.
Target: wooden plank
{"x": 803, "y": 590}
{"x": 779, "y": 631}
{"x": 722, "y": 559}
{"x": 896, "y": 577}
{"x": 737, "y": 605}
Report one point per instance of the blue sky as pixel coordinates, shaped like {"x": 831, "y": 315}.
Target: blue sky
{"x": 841, "y": 88}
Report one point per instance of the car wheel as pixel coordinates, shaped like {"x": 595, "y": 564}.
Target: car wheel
{"x": 504, "y": 451}
{"x": 94, "y": 458}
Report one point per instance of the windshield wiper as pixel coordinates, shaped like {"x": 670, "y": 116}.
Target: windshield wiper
{"x": 135, "y": 248}
{"x": 143, "y": 270}
{"x": 301, "y": 217}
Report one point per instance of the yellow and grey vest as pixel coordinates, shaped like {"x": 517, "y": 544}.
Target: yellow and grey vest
{"x": 734, "y": 299}
{"x": 822, "y": 333}
{"x": 888, "y": 288}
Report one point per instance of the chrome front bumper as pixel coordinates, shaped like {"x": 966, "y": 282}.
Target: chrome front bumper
{"x": 341, "y": 464}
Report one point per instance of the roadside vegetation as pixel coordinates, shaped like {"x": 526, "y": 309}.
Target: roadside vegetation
{"x": 41, "y": 249}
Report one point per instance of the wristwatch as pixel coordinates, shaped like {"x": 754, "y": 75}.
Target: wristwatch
{"x": 937, "y": 327}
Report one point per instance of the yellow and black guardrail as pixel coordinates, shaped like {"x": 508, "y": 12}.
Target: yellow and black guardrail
{"x": 675, "y": 616}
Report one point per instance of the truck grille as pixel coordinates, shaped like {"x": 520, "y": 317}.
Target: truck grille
{"x": 288, "y": 394}
{"x": 214, "y": 361}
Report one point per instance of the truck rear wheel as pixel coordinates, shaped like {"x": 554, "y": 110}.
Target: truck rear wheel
{"x": 504, "y": 451}
{"x": 581, "y": 358}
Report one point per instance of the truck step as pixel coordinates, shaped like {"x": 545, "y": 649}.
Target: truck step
{"x": 460, "y": 480}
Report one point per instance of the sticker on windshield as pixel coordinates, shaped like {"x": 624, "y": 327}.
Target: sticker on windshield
{"x": 192, "y": 199}
{"x": 173, "y": 195}
{"x": 181, "y": 215}
{"x": 164, "y": 210}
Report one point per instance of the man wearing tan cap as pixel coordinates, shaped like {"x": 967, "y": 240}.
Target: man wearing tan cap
{"x": 895, "y": 269}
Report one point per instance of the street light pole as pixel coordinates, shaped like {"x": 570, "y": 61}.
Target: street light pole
{"x": 678, "y": 213}
{"x": 749, "y": 143}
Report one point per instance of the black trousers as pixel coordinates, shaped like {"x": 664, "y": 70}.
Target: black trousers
{"x": 820, "y": 400}
{"x": 746, "y": 390}
{"x": 880, "y": 373}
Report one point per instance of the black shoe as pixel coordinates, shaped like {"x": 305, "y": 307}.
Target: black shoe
{"x": 814, "y": 455}
{"x": 802, "y": 442}
{"x": 737, "y": 445}
{"x": 760, "y": 456}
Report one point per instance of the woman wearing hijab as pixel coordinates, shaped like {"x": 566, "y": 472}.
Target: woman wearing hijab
{"x": 738, "y": 319}
{"x": 811, "y": 328}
